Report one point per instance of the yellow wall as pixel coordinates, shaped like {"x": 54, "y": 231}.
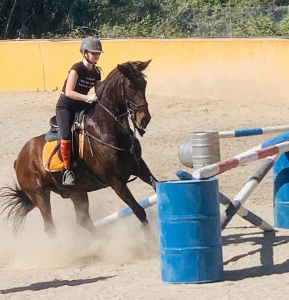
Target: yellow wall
{"x": 233, "y": 69}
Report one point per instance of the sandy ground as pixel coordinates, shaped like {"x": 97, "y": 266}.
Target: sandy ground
{"x": 75, "y": 266}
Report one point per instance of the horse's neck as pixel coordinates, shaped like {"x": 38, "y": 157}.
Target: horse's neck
{"x": 108, "y": 109}
{"x": 109, "y": 96}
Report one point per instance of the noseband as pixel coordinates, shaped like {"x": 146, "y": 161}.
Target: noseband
{"x": 132, "y": 108}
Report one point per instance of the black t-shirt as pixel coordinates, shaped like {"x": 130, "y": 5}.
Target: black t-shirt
{"x": 85, "y": 81}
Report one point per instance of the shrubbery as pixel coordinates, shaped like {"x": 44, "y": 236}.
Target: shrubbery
{"x": 143, "y": 18}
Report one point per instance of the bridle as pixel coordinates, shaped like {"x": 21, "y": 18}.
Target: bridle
{"x": 131, "y": 109}
{"x": 129, "y": 104}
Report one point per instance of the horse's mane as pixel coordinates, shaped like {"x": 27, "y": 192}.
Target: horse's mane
{"x": 115, "y": 74}
{"x": 132, "y": 65}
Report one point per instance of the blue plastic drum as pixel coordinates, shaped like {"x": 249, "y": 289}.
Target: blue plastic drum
{"x": 190, "y": 231}
{"x": 281, "y": 191}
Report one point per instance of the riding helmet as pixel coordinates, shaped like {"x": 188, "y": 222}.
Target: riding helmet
{"x": 91, "y": 44}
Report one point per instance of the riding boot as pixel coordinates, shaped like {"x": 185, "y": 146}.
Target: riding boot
{"x": 68, "y": 176}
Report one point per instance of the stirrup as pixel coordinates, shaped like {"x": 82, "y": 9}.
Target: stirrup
{"x": 68, "y": 178}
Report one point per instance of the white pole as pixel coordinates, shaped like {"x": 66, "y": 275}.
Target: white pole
{"x": 145, "y": 203}
{"x": 253, "y": 131}
{"x": 241, "y": 159}
{"x": 245, "y": 193}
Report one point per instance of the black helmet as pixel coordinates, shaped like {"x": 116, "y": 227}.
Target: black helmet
{"x": 91, "y": 44}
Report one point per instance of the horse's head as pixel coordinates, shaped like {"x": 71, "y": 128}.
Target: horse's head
{"x": 133, "y": 86}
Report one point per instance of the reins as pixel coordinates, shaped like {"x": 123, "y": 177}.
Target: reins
{"x": 130, "y": 113}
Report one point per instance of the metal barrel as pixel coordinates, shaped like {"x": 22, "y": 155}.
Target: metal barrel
{"x": 190, "y": 231}
{"x": 185, "y": 154}
{"x": 205, "y": 148}
{"x": 281, "y": 191}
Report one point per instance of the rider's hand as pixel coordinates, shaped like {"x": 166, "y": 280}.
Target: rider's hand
{"x": 91, "y": 98}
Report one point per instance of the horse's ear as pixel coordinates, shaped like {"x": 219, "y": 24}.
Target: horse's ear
{"x": 143, "y": 65}
{"x": 124, "y": 70}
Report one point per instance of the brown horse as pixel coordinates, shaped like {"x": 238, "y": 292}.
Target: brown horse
{"x": 112, "y": 153}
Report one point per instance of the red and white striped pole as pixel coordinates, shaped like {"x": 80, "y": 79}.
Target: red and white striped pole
{"x": 223, "y": 166}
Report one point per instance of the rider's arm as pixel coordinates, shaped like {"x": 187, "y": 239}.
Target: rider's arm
{"x": 70, "y": 86}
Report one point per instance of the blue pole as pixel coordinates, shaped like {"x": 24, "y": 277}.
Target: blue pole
{"x": 283, "y": 137}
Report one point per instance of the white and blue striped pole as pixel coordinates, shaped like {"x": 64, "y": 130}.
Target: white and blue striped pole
{"x": 145, "y": 203}
{"x": 253, "y": 131}
{"x": 283, "y": 137}
{"x": 235, "y": 206}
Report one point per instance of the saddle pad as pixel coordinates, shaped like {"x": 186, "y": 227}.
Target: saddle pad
{"x": 56, "y": 165}
{"x": 80, "y": 144}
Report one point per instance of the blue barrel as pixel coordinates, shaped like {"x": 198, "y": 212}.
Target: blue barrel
{"x": 281, "y": 191}
{"x": 190, "y": 231}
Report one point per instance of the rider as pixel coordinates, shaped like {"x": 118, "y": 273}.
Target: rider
{"x": 74, "y": 97}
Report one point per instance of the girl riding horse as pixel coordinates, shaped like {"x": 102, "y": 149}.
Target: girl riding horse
{"x": 111, "y": 154}
{"x": 82, "y": 76}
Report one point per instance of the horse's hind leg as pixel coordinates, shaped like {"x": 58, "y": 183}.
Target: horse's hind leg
{"x": 81, "y": 205}
{"x": 42, "y": 201}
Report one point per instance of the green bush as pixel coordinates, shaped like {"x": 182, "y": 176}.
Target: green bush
{"x": 143, "y": 18}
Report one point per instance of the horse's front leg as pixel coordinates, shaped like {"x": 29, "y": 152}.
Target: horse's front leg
{"x": 144, "y": 173}
{"x": 124, "y": 193}
{"x": 81, "y": 205}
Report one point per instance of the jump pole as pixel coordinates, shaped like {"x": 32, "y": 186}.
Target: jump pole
{"x": 253, "y": 131}
{"x": 223, "y": 166}
{"x": 283, "y": 137}
{"x": 232, "y": 208}
{"x": 236, "y": 205}
{"x": 145, "y": 203}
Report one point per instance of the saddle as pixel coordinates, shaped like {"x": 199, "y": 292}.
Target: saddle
{"x": 52, "y": 159}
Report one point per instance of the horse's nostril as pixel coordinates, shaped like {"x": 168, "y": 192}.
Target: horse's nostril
{"x": 143, "y": 123}
{"x": 142, "y": 120}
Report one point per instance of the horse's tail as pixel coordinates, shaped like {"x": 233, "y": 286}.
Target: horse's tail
{"x": 18, "y": 205}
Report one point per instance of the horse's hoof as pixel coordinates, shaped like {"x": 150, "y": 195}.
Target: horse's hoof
{"x": 150, "y": 237}
{"x": 52, "y": 233}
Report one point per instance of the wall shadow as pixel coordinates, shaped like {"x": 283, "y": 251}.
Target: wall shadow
{"x": 268, "y": 242}
{"x": 53, "y": 284}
